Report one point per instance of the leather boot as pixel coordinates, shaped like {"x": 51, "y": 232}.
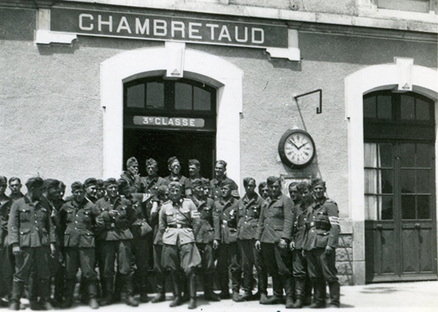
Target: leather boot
{"x": 308, "y": 289}
{"x": 278, "y": 291}
{"x": 320, "y": 294}
{"x": 186, "y": 288}
{"x": 263, "y": 298}
{"x": 45, "y": 291}
{"x": 209, "y": 294}
{"x": 335, "y": 293}
{"x": 92, "y": 294}
{"x": 299, "y": 293}
{"x": 129, "y": 291}
{"x": 177, "y": 300}
{"x": 69, "y": 290}
{"x": 247, "y": 296}
{"x": 118, "y": 288}
{"x": 108, "y": 290}
{"x": 192, "y": 289}
{"x": 289, "y": 288}
{"x": 160, "y": 286}
{"x": 17, "y": 290}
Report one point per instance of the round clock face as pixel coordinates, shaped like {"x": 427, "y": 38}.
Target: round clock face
{"x": 296, "y": 148}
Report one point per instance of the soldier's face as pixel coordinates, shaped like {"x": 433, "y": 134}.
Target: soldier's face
{"x": 193, "y": 170}
{"x": 199, "y": 191}
{"x": 2, "y": 188}
{"x": 293, "y": 192}
{"x": 61, "y": 192}
{"x": 318, "y": 191}
{"x": 152, "y": 170}
{"x": 206, "y": 190}
{"x": 133, "y": 169}
{"x": 305, "y": 195}
{"x": 37, "y": 192}
{"x": 226, "y": 191}
{"x": 275, "y": 189}
{"x": 219, "y": 170}
{"x": 78, "y": 195}
{"x": 91, "y": 191}
{"x": 264, "y": 192}
{"x": 53, "y": 193}
{"x": 100, "y": 192}
{"x": 175, "y": 193}
{"x": 112, "y": 190}
{"x": 250, "y": 188}
{"x": 175, "y": 167}
{"x": 15, "y": 187}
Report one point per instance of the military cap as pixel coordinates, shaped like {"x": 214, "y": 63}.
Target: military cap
{"x": 247, "y": 180}
{"x": 77, "y": 186}
{"x": 194, "y": 162}
{"x": 110, "y": 181}
{"x": 34, "y": 182}
{"x": 235, "y": 194}
{"x": 100, "y": 183}
{"x": 271, "y": 180}
{"x": 302, "y": 186}
{"x": 61, "y": 185}
{"x": 222, "y": 162}
{"x": 228, "y": 182}
{"x": 51, "y": 183}
{"x": 316, "y": 182}
{"x": 171, "y": 160}
{"x": 262, "y": 185}
{"x": 197, "y": 182}
{"x": 151, "y": 162}
{"x": 132, "y": 162}
{"x": 3, "y": 180}
{"x": 175, "y": 184}
{"x": 122, "y": 183}
{"x": 90, "y": 181}
{"x": 206, "y": 182}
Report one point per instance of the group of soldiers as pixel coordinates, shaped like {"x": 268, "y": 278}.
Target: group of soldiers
{"x": 180, "y": 226}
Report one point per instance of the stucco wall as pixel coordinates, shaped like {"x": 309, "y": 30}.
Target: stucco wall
{"x": 51, "y": 118}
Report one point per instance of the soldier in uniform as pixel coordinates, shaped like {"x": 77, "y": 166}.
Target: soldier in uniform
{"x": 131, "y": 175}
{"x": 6, "y": 264}
{"x": 194, "y": 170}
{"x": 174, "y": 167}
{"x": 294, "y": 194}
{"x": 207, "y": 187}
{"x": 117, "y": 215}
{"x": 50, "y": 201}
{"x": 263, "y": 190}
{"x": 178, "y": 218}
{"x": 220, "y": 179}
{"x": 90, "y": 186}
{"x": 32, "y": 236}
{"x": 204, "y": 235}
{"x": 15, "y": 187}
{"x": 274, "y": 233}
{"x": 152, "y": 181}
{"x": 226, "y": 210}
{"x": 78, "y": 218}
{"x": 303, "y": 289}
{"x": 320, "y": 246}
{"x": 153, "y": 207}
{"x": 249, "y": 212}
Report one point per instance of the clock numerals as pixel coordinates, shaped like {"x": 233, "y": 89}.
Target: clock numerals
{"x": 297, "y": 148}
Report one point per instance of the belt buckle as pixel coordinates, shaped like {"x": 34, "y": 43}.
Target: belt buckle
{"x": 113, "y": 225}
{"x": 178, "y": 226}
{"x": 224, "y": 221}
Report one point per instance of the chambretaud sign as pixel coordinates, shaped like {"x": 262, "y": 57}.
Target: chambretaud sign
{"x": 168, "y": 27}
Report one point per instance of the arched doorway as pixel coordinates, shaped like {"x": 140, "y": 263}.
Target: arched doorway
{"x": 400, "y": 210}
{"x": 164, "y": 118}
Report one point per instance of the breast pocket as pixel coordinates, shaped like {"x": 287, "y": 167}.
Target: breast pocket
{"x": 24, "y": 215}
{"x": 70, "y": 215}
{"x": 277, "y": 211}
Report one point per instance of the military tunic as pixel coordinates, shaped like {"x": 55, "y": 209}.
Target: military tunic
{"x": 6, "y": 257}
{"x": 216, "y": 185}
{"x": 226, "y": 214}
{"x": 249, "y": 213}
{"x": 79, "y": 220}
{"x": 134, "y": 182}
{"x": 176, "y": 222}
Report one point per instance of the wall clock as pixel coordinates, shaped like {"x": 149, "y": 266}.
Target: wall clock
{"x": 296, "y": 148}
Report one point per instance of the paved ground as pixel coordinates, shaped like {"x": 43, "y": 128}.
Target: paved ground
{"x": 415, "y": 296}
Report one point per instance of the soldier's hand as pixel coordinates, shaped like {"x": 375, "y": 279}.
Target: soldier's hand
{"x": 215, "y": 244}
{"x": 292, "y": 245}
{"x": 52, "y": 249}
{"x": 16, "y": 250}
{"x": 258, "y": 245}
{"x": 282, "y": 244}
{"x": 329, "y": 250}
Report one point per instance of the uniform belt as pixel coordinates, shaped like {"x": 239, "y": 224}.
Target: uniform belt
{"x": 178, "y": 226}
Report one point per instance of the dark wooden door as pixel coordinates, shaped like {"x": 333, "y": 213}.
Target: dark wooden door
{"x": 400, "y": 225}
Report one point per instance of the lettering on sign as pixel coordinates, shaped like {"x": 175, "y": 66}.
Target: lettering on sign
{"x": 162, "y": 27}
{"x": 169, "y": 121}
